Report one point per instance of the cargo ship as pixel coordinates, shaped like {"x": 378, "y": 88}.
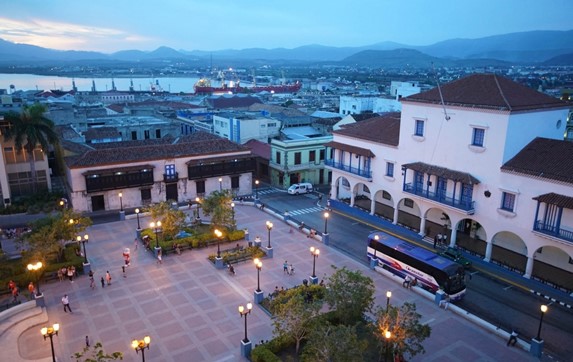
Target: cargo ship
{"x": 203, "y": 86}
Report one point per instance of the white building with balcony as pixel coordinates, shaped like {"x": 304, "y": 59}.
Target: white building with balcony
{"x": 243, "y": 127}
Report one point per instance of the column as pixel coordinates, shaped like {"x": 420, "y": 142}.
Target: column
{"x": 395, "y": 221}
{"x": 488, "y": 250}
{"x": 454, "y": 237}
{"x": 422, "y": 226}
{"x": 373, "y": 205}
{"x": 529, "y": 267}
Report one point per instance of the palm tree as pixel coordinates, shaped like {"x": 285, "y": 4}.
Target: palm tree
{"x": 29, "y": 129}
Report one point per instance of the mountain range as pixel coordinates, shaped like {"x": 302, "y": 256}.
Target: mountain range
{"x": 534, "y": 47}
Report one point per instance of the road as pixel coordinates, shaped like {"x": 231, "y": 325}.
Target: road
{"x": 491, "y": 298}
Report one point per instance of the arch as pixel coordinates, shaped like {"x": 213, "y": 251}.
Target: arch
{"x": 553, "y": 266}
{"x": 509, "y": 250}
{"x": 384, "y": 205}
{"x": 437, "y": 222}
{"x": 409, "y": 214}
{"x": 471, "y": 236}
{"x": 362, "y": 196}
{"x": 342, "y": 190}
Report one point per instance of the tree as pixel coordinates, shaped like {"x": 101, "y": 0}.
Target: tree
{"x": 218, "y": 206}
{"x": 172, "y": 220}
{"x": 96, "y": 354}
{"x": 28, "y": 130}
{"x": 51, "y": 234}
{"x": 334, "y": 343}
{"x": 295, "y": 314}
{"x": 407, "y": 334}
{"x": 350, "y": 293}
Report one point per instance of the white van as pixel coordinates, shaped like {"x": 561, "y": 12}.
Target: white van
{"x": 302, "y": 188}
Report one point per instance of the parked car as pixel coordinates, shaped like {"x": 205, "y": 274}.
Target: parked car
{"x": 302, "y": 188}
{"x": 455, "y": 255}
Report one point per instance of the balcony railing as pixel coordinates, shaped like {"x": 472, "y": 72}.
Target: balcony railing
{"x": 113, "y": 182}
{"x": 173, "y": 177}
{"x": 551, "y": 230}
{"x": 467, "y": 206}
{"x": 221, "y": 169}
{"x": 353, "y": 170}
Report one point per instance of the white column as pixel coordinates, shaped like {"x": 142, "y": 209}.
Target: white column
{"x": 395, "y": 221}
{"x": 372, "y": 206}
{"x": 528, "y": 267}
{"x": 454, "y": 237}
{"x": 488, "y": 250}
{"x": 422, "y": 226}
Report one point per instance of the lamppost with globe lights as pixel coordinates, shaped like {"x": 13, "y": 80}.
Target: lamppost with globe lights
{"x": 256, "y": 189}
{"x": 387, "y": 335}
{"x": 121, "y": 210}
{"x": 198, "y": 201}
{"x": 137, "y": 215}
{"x": 388, "y": 296}
{"x": 269, "y": 249}
{"x": 218, "y": 260}
{"x": 537, "y": 343}
{"x": 233, "y": 212}
{"x": 259, "y": 295}
{"x": 220, "y": 184}
{"x": 245, "y": 343}
{"x": 326, "y": 216}
{"x": 314, "y": 252}
{"x": 50, "y": 332}
{"x": 33, "y": 268}
{"x": 83, "y": 241}
{"x": 141, "y": 345}
{"x": 156, "y": 226}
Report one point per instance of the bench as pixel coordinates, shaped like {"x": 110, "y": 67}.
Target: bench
{"x": 233, "y": 249}
{"x": 237, "y": 258}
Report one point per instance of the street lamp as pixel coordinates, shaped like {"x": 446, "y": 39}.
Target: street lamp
{"x": 156, "y": 226}
{"x": 83, "y": 242}
{"x": 218, "y": 234}
{"x": 326, "y": 215}
{"x": 387, "y": 335}
{"x": 34, "y": 268}
{"x": 137, "y": 214}
{"x": 314, "y": 252}
{"x": 543, "y": 310}
{"x": 259, "y": 266}
{"x": 233, "y": 211}
{"x": 269, "y": 228}
{"x": 51, "y": 332}
{"x": 198, "y": 201}
{"x": 256, "y": 189}
{"x": 121, "y": 202}
{"x": 220, "y": 184}
{"x": 388, "y": 296}
{"x": 141, "y": 345}
{"x": 244, "y": 312}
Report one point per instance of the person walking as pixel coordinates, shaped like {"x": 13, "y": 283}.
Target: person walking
{"x": 15, "y": 294}
{"x": 92, "y": 282}
{"x": 285, "y": 267}
{"x": 159, "y": 257}
{"x": 102, "y": 282}
{"x": 289, "y": 269}
{"x": 66, "y": 303}
{"x": 70, "y": 274}
{"x": 108, "y": 277}
{"x": 87, "y": 341}
{"x": 31, "y": 289}
{"x": 135, "y": 244}
{"x": 60, "y": 275}
{"x": 123, "y": 271}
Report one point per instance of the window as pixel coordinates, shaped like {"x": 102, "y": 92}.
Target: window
{"x": 419, "y": 131}
{"x": 9, "y": 154}
{"x": 272, "y": 125}
{"x": 297, "y": 158}
{"x": 321, "y": 156}
{"x": 200, "y": 187}
{"x": 146, "y": 134}
{"x": 386, "y": 195}
{"x": 134, "y": 135}
{"x": 312, "y": 156}
{"x": 234, "y": 182}
{"x": 157, "y": 133}
{"x": 170, "y": 170}
{"x": 508, "y": 201}
{"x": 146, "y": 195}
{"x": 389, "y": 169}
{"x": 278, "y": 157}
{"x": 478, "y": 137}
{"x": 409, "y": 203}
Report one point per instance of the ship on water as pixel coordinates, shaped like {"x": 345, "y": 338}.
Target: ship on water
{"x": 203, "y": 86}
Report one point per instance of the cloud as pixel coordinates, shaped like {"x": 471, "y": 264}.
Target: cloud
{"x": 65, "y": 36}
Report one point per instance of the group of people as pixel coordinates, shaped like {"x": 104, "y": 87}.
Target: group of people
{"x": 288, "y": 268}
{"x": 14, "y": 291}
{"x": 67, "y": 272}
{"x": 106, "y": 279}
{"x": 409, "y": 282}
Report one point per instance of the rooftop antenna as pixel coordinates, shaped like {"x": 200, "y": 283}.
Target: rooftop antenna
{"x": 440, "y": 91}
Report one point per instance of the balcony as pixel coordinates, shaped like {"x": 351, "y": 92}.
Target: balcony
{"x": 353, "y": 170}
{"x": 299, "y": 167}
{"x": 116, "y": 182}
{"x": 467, "y": 206}
{"x": 196, "y": 172}
{"x": 551, "y": 230}
{"x": 172, "y": 177}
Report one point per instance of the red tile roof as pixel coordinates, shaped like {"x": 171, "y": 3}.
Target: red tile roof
{"x": 545, "y": 158}
{"x": 556, "y": 199}
{"x": 381, "y": 129}
{"x": 259, "y": 148}
{"x": 488, "y": 91}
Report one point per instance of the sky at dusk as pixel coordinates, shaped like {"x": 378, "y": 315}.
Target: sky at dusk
{"x": 108, "y": 26}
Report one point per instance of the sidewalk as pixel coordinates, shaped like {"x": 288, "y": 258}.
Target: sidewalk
{"x": 190, "y": 309}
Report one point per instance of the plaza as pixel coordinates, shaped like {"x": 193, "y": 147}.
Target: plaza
{"x": 190, "y": 309}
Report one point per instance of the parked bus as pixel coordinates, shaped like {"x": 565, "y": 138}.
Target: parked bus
{"x": 431, "y": 270}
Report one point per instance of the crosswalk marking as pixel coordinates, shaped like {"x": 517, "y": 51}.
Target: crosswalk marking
{"x": 307, "y": 210}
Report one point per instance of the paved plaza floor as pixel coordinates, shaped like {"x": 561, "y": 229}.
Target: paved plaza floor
{"x": 190, "y": 309}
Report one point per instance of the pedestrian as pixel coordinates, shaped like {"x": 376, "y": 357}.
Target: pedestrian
{"x": 15, "y": 294}
{"x": 135, "y": 244}
{"x": 445, "y": 302}
{"x": 319, "y": 200}
{"x": 407, "y": 281}
{"x": 31, "y": 289}
{"x": 70, "y": 274}
{"x": 102, "y": 282}
{"x": 512, "y": 338}
{"x": 435, "y": 240}
{"x": 123, "y": 270}
{"x": 11, "y": 285}
{"x": 328, "y": 205}
{"x": 60, "y": 275}
{"x": 159, "y": 257}
{"x": 285, "y": 267}
{"x": 108, "y": 277}
{"x": 289, "y": 269}
{"x": 92, "y": 282}
{"x": 66, "y": 303}
{"x": 87, "y": 341}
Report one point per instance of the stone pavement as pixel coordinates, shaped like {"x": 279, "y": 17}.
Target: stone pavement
{"x": 190, "y": 309}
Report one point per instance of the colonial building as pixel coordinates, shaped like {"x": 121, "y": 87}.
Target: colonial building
{"x": 144, "y": 172}
{"x": 481, "y": 160}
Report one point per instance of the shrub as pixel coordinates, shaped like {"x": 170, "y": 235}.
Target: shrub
{"x": 262, "y": 354}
